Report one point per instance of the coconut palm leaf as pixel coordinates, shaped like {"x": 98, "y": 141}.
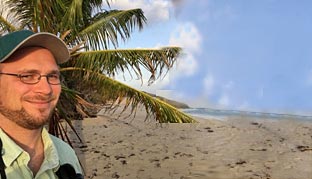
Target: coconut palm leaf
{"x": 112, "y": 62}
{"x": 106, "y": 27}
{"x": 93, "y": 36}
{"x": 80, "y": 13}
{"x": 119, "y": 93}
{"x": 7, "y": 21}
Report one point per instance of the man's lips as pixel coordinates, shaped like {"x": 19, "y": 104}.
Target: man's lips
{"x": 39, "y": 99}
{"x": 40, "y": 102}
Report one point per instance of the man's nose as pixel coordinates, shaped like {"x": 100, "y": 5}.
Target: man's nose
{"x": 43, "y": 86}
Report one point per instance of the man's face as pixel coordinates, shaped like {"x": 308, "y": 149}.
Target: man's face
{"x": 28, "y": 105}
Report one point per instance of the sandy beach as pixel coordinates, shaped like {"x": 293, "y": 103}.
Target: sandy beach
{"x": 238, "y": 148}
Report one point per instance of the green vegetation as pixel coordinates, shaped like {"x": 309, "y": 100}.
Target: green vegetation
{"x": 93, "y": 35}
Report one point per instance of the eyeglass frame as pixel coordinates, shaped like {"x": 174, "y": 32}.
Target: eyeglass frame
{"x": 48, "y": 76}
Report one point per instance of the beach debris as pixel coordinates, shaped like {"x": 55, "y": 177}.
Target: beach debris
{"x": 165, "y": 158}
{"x": 282, "y": 139}
{"x": 304, "y": 148}
{"x": 148, "y": 134}
{"x": 208, "y": 129}
{"x": 158, "y": 165}
{"x": 156, "y": 161}
{"x": 183, "y": 138}
{"x": 124, "y": 162}
{"x": 94, "y": 173}
{"x": 108, "y": 166}
{"x": 254, "y": 123}
{"x": 177, "y": 153}
{"x": 259, "y": 149}
{"x": 83, "y": 146}
{"x": 257, "y": 124}
{"x": 201, "y": 151}
{"x": 186, "y": 155}
{"x": 263, "y": 175}
{"x": 105, "y": 155}
{"x": 117, "y": 157}
{"x": 131, "y": 155}
{"x": 240, "y": 162}
{"x": 115, "y": 175}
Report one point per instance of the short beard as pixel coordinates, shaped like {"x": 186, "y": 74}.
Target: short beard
{"x": 24, "y": 119}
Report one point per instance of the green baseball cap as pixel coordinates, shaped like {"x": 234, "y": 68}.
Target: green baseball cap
{"x": 11, "y": 42}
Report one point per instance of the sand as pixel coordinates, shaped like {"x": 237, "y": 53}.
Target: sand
{"x": 238, "y": 148}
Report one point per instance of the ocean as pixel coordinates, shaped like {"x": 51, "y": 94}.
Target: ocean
{"x": 220, "y": 114}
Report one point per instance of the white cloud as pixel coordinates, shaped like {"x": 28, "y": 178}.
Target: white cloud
{"x": 186, "y": 66}
{"x": 188, "y": 37}
{"x": 143, "y": 86}
{"x": 209, "y": 84}
{"x": 155, "y": 11}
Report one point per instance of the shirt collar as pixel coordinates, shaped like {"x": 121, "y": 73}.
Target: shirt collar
{"x": 51, "y": 159}
{"x": 11, "y": 150}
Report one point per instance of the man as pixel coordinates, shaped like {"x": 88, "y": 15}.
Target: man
{"x": 29, "y": 91}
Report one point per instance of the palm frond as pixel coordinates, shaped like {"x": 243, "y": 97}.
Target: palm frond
{"x": 7, "y": 20}
{"x": 90, "y": 32}
{"x": 105, "y": 28}
{"x": 6, "y": 26}
{"x": 73, "y": 16}
{"x": 37, "y": 15}
{"x": 112, "y": 62}
{"x": 131, "y": 98}
{"x": 79, "y": 13}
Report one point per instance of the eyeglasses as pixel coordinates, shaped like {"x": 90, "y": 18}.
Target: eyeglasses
{"x": 34, "y": 78}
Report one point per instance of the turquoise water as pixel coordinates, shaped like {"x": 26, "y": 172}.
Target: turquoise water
{"x": 224, "y": 114}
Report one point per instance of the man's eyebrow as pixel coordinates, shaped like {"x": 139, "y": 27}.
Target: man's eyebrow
{"x": 37, "y": 71}
{"x": 29, "y": 71}
{"x": 54, "y": 72}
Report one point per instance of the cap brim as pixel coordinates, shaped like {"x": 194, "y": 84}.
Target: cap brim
{"x": 46, "y": 40}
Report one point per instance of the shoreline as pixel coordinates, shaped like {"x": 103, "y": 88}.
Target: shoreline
{"x": 236, "y": 148}
{"x": 225, "y": 113}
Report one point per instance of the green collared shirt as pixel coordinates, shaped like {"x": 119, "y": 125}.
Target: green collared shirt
{"x": 56, "y": 153}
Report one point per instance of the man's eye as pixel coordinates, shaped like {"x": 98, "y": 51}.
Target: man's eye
{"x": 54, "y": 76}
{"x": 28, "y": 76}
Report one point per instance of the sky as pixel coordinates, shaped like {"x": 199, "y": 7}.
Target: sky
{"x": 253, "y": 55}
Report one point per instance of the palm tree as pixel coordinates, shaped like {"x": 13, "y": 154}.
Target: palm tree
{"x": 92, "y": 35}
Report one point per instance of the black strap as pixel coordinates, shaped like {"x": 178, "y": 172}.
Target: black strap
{"x": 67, "y": 171}
{"x": 2, "y": 166}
